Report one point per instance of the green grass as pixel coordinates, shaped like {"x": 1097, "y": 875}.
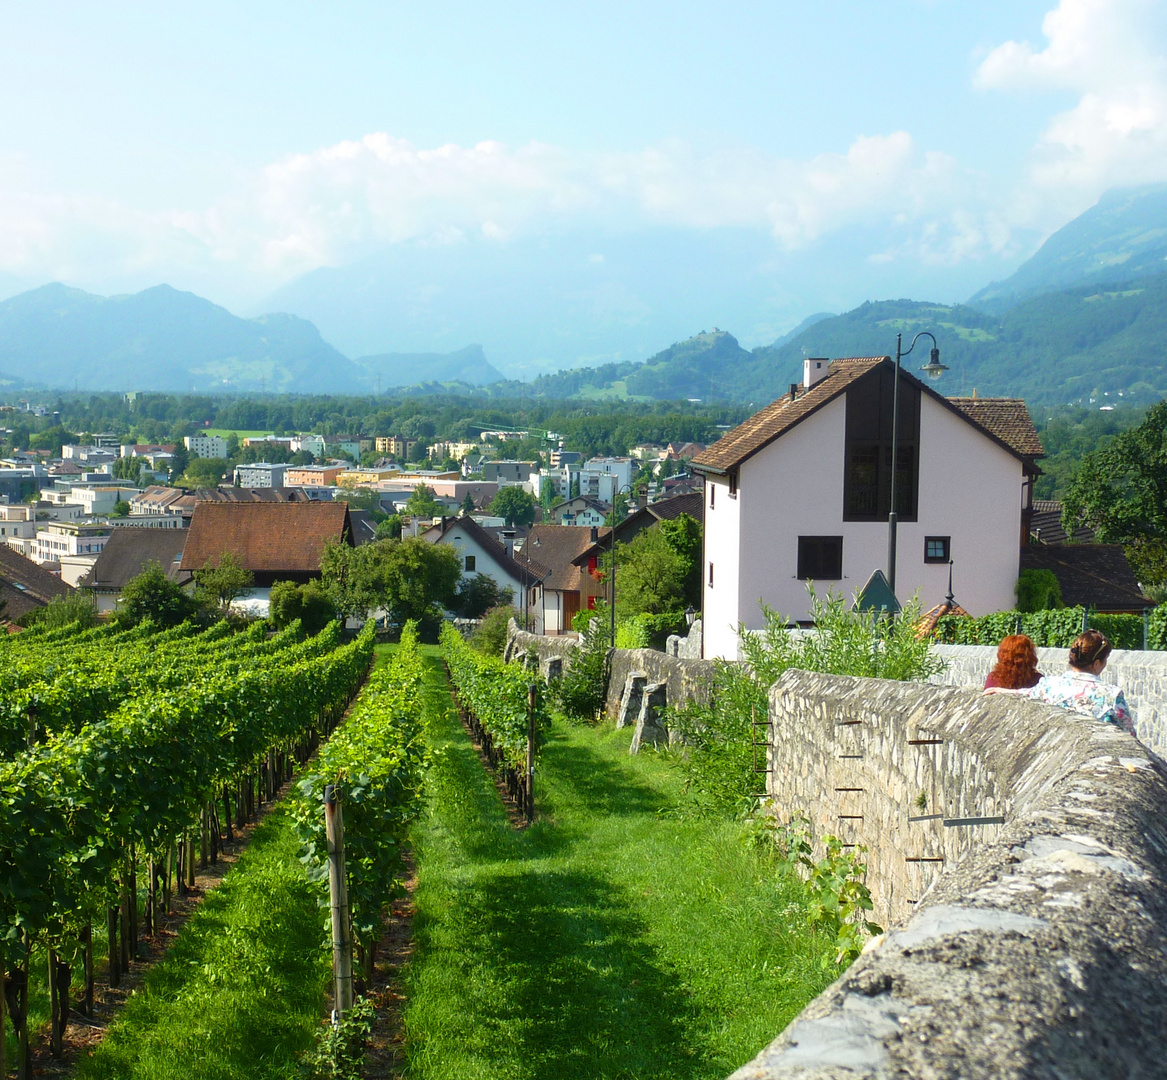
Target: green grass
{"x": 614, "y": 938}
{"x": 242, "y": 991}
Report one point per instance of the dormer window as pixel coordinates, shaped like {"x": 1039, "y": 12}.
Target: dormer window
{"x": 867, "y": 464}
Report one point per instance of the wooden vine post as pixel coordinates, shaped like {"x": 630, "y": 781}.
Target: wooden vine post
{"x": 342, "y": 945}
{"x": 531, "y": 692}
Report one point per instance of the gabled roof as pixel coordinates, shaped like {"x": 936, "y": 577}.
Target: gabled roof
{"x": 265, "y": 537}
{"x": 1017, "y": 434}
{"x": 24, "y": 585}
{"x": 1092, "y": 575}
{"x": 557, "y": 547}
{"x": 127, "y": 552}
{"x": 525, "y": 565}
{"x": 691, "y": 503}
{"x": 1007, "y": 418}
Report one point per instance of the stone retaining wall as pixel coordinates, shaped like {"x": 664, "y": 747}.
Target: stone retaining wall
{"x": 1036, "y": 947}
{"x": 1141, "y": 675}
{"x": 548, "y": 649}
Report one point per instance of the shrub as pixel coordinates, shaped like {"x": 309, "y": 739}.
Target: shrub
{"x": 491, "y": 636}
{"x": 309, "y": 603}
{"x": 580, "y": 693}
{"x": 1038, "y": 590}
{"x": 719, "y": 759}
{"x": 62, "y": 611}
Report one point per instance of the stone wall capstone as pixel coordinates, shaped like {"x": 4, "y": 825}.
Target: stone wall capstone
{"x": 1142, "y": 676}
{"x": 685, "y": 680}
{"x": 1036, "y": 947}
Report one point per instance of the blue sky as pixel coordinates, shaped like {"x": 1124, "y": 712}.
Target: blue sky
{"x": 887, "y": 147}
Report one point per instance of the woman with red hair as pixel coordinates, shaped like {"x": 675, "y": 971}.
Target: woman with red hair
{"x": 1016, "y": 667}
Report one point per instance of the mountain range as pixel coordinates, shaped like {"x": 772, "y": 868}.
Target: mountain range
{"x": 1085, "y": 319}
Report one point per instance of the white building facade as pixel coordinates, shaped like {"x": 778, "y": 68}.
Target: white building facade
{"x": 206, "y": 446}
{"x": 800, "y": 494}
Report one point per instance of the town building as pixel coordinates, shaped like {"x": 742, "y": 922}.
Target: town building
{"x": 260, "y": 474}
{"x": 481, "y": 551}
{"x": 509, "y": 472}
{"x": 24, "y": 586}
{"x": 18, "y": 521}
{"x": 605, "y": 478}
{"x": 206, "y": 446}
{"x": 800, "y": 493}
{"x": 579, "y": 511}
{"x": 312, "y": 475}
{"x": 567, "y": 587}
{"x": 395, "y": 445}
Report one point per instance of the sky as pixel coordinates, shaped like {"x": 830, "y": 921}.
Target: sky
{"x": 876, "y": 149}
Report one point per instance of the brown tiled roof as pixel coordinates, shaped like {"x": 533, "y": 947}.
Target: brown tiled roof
{"x": 691, "y": 503}
{"x": 780, "y": 416}
{"x": 524, "y": 564}
{"x": 1093, "y": 575}
{"x": 1007, "y": 418}
{"x": 557, "y": 547}
{"x": 24, "y": 585}
{"x": 127, "y": 552}
{"x": 264, "y": 537}
{"x": 928, "y": 621}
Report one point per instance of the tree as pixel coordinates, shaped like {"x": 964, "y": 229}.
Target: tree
{"x": 309, "y": 603}
{"x": 219, "y": 585}
{"x": 151, "y": 595}
{"x": 203, "y": 472}
{"x": 62, "y": 611}
{"x": 650, "y": 577}
{"x": 411, "y": 579}
{"x": 467, "y": 504}
{"x": 423, "y": 504}
{"x": 480, "y": 593}
{"x": 389, "y": 528}
{"x": 121, "y": 509}
{"x": 619, "y": 509}
{"x": 178, "y": 462}
{"x": 367, "y": 500}
{"x": 684, "y": 536}
{"x": 129, "y": 468}
{"x": 1120, "y": 491}
{"x": 515, "y": 505}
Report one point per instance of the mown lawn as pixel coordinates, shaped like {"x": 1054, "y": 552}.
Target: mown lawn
{"x": 615, "y": 937}
{"x": 242, "y": 991}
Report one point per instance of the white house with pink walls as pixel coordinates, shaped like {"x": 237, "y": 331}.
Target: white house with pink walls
{"x": 800, "y": 492}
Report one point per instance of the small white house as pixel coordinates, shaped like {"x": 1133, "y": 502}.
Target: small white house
{"x": 206, "y": 446}
{"x": 800, "y": 493}
{"x": 481, "y": 552}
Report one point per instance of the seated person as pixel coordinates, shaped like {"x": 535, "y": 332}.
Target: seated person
{"x": 1016, "y": 667}
{"x": 1080, "y": 688}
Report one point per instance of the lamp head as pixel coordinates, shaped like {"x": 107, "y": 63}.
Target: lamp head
{"x": 934, "y": 369}
{"x": 690, "y": 615}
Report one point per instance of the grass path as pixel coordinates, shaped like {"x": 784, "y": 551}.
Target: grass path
{"x": 613, "y": 938}
{"x": 242, "y": 990}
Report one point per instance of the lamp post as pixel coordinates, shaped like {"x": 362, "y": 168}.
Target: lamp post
{"x": 934, "y": 369}
{"x": 612, "y": 557}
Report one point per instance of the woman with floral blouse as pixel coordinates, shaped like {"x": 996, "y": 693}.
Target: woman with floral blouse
{"x": 1080, "y": 687}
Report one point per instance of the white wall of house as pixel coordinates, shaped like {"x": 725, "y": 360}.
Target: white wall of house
{"x": 468, "y": 547}
{"x": 970, "y": 489}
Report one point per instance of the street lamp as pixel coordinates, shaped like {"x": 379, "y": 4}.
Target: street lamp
{"x": 934, "y": 369}
{"x": 612, "y": 557}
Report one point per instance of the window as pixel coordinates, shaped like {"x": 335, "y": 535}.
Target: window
{"x": 867, "y": 461}
{"x": 820, "y": 558}
{"x": 733, "y": 484}
{"x": 470, "y": 559}
{"x": 712, "y": 493}
{"x": 711, "y": 575}
{"x": 937, "y": 548}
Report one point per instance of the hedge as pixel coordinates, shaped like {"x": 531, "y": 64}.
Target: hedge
{"x": 1053, "y": 629}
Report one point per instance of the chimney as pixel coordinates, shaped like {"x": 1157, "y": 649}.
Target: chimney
{"x": 794, "y": 388}
{"x": 814, "y": 368}
{"x": 508, "y": 541}
{"x": 595, "y": 534}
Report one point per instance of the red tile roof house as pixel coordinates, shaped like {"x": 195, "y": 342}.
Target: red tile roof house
{"x": 800, "y": 492}
{"x": 275, "y": 541}
{"x": 568, "y": 586}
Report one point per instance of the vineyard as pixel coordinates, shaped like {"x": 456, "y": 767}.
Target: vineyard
{"x": 128, "y": 756}
{"x": 129, "y": 753}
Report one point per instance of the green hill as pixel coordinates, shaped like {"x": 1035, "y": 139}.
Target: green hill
{"x": 1122, "y": 238}
{"x": 1083, "y": 345}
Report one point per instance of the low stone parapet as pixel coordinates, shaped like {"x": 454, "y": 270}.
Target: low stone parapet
{"x": 1037, "y": 945}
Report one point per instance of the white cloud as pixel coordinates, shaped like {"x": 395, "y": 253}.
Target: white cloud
{"x": 331, "y": 205}
{"x": 1111, "y": 53}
